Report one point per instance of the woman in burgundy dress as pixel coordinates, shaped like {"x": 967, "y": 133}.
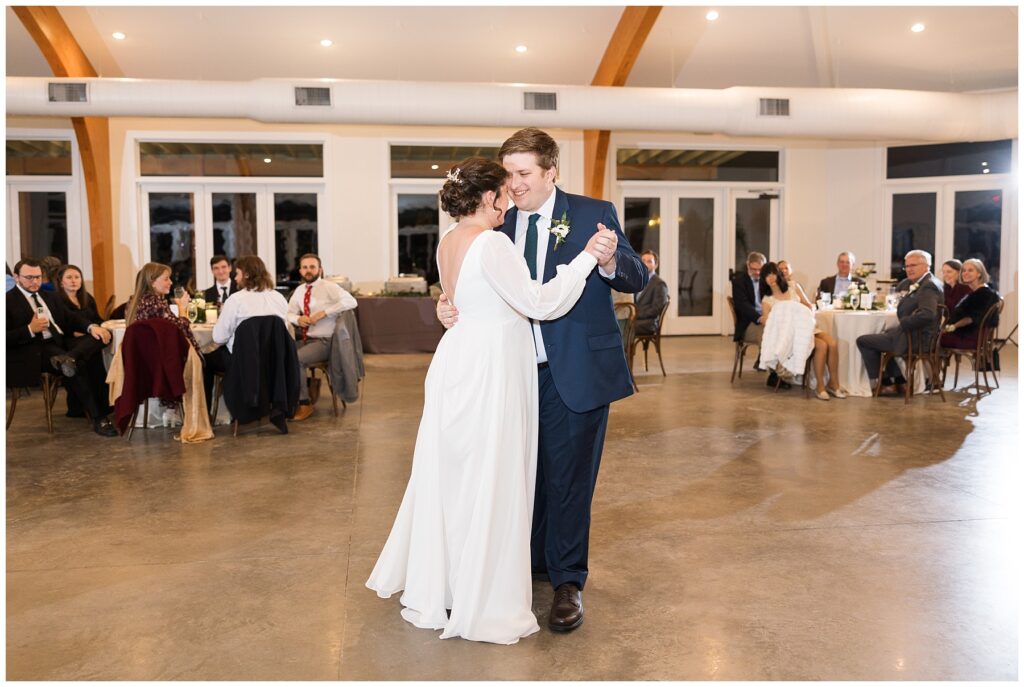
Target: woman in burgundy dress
{"x": 152, "y": 285}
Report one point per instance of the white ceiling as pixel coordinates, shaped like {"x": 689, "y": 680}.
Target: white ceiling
{"x": 962, "y": 48}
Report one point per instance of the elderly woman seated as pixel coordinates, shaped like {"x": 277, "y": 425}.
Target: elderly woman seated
{"x": 965, "y": 319}
{"x": 790, "y": 334}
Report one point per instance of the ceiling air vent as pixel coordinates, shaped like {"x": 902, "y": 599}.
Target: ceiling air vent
{"x": 65, "y": 92}
{"x": 533, "y": 100}
{"x": 773, "y": 107}
{"x": 306, "y": 96}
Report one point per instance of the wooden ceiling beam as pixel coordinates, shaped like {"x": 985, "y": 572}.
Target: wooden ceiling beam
{"x": 67, "y": 59}
{"x": 619, "y": 57}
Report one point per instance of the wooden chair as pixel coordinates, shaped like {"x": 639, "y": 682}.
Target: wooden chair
{"x": 688, "y": 289}
{"x": 625, "y": 313}
{"x": 322, "y": 367}
{"x": 647, "y": 339}
{"x": 218, "y": 391}
{"x": 109, "y": 307}
{"x": 930, "y": 353}
{"x": 741, "y": 346}
{"x": 50, "y": 384}
{"x": 982, "y": 356}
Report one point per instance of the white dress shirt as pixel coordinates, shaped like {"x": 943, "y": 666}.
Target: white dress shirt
{"x": 842, "y": 284}
{"x": 245, "y": 304}
{"x": 46, "y": 313}
{"x": 326, "y": 296}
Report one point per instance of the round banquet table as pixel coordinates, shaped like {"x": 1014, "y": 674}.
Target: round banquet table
{"x": 845, "y": 326}
{"x": 158, "y": 415}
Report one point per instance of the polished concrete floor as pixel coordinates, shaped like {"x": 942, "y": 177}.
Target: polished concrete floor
{"x": 738, "y": 534}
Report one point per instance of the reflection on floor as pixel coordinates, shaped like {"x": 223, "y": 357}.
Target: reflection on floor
{"x": 738, "y": 534}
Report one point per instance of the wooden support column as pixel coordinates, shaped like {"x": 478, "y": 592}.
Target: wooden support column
{"x": 619, "y": 57}
{"x": 67, "y": 59}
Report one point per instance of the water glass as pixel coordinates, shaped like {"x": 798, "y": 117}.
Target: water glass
{"x": 179, "y": 291}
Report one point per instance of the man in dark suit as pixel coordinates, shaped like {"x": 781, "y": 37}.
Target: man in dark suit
{"x": 746, "y": 299}
{"x": 40, "y": 338}
{"x": 841, "y": 280}
{"x": 581, "y": 365}
{"x": 223, "y": 284}
{"x": 917, "y": 312}
{"x": 653, "y": 298}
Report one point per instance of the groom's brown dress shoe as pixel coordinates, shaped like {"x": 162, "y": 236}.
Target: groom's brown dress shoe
{"x": 567, "y": 608}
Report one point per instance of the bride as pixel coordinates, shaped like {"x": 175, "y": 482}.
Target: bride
{"x": 459, "y": 550}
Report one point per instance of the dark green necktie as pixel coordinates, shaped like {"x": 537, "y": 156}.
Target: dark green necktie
{"x": 530, "y": 252}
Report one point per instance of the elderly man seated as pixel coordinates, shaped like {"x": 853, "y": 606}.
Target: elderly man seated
{"x": 840, "y": 281}
{"x": 917, "y": 312}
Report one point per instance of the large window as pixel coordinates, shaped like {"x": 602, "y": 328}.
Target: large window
{"x": 38, "y": 157}
{"x": 431, "y": 162}
{"x": 172, "y": 235}
{"x": 949, "y": 159}
{"x": 418, "y": 234}
{"x": 657, "y": 164}
{"x": 184, "y": 159}
{"x": 913, "y": 227}
{"x": 977, "y": 228}
{"x": 43, "y": 224}
{"x": 295, "y": 225}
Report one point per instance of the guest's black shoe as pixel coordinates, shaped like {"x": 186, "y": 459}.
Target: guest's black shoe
{"x": 65, "y": 364}
{"x": 773, "y": 378}
{"x": 104, "y": 427}
{"x": 566, "y": 608}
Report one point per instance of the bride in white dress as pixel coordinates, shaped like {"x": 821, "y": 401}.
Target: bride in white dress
{"x": 460, "y": 543}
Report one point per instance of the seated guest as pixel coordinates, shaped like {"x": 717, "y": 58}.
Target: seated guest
{"x": 652, "y": 299}
{"x": 223, "y": 286}
{"x": 826, "y": 349}
{"x": 953, "y": 290}
{"x": 841, "y": 280}
{"x": 10, "y": 278}
{"x": 746, "y": 301}
{"x": 965, "y": 317}
{"x": 313, "y": 309}
{"x": 40, "y": 339}
{"x": 152, "y": 285}
{"x": 255, "y": 297}
{"x": 917, "y": 312}
{"x": 50, "y": 264}
{"x": 788, "y": 338}
{"x": 71, "y": 290}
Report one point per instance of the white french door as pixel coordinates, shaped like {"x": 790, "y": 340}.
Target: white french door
{"x": 185, "y": 224}
{"x": 44, "y": 217}
{"x": 697, "y": 231}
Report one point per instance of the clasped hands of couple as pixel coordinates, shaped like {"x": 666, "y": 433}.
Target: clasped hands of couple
{"x": 40, "y": 323}
{"x": 602, "y": 245}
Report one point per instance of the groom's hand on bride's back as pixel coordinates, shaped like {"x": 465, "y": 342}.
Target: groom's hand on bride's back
{"x": 447, "y": 313}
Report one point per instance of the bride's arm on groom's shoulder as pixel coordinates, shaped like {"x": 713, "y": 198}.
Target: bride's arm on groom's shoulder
{"x": 506, "y": 272}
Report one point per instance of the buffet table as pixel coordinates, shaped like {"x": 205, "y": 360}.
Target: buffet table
{"x": 402, "y": 324}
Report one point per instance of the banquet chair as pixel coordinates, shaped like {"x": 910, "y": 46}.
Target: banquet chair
{"x": 647, "y": 339}
{"x": 49, "y": 384}
{"x": 109, "y": 307}
{"x": 314, "y": 385}
{"x": 153, "y": 353}
{"x": 805, "y": 383}
{"x": 982, "y": 356}
{"x": 625, "y": 314}
{"x": 262, "y": 379}
{"x": 688, "y": 289}
{"x": 928, "y": 352}
{"x": 741, "y": 346}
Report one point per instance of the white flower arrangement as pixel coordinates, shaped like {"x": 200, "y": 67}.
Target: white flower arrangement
{"x": 561, "y": 230}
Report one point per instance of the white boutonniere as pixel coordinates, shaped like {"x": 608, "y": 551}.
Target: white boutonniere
{"x": 914, "y": 286}
{"x": 560, "y": 229}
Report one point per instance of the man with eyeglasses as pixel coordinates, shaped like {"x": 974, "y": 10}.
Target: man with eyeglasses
{"x": 918, "y": 312}
{"x": 40, "y": 338}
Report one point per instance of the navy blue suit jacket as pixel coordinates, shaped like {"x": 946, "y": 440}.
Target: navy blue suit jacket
{"x": 584, "y": 346}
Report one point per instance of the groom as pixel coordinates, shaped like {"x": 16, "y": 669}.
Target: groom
{"x": 581, "y": 367}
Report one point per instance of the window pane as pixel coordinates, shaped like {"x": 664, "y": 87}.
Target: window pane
{"x": 44, "y": 224}
{"x": 180, "y": 159}
{"x": 295, "y": 234}
{"x": 172, "y": 235}
{"x": 234, "y": 224}
{"x": 39, "y": 158}
{"x": 696, "y": 256}
{"x": 913, "y": 227}
{"x": 431, "y": 162}
{"x": 417, "y": 235}
{"x": 652, "y": 164}
{"x": 642, "y": 223}
{"x": 753, "y": 229}
{"x": 949, "y": 159}
{"x": 977, "y": 228}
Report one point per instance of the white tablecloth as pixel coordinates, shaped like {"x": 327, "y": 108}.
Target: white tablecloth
{"x": 845, "y": 326}
{"x": 158, "y": 415}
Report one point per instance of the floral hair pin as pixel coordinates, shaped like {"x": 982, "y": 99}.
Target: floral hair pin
{"x": 453, "y": 175}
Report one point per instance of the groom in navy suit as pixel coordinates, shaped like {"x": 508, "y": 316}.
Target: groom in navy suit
{"x": 581, "y": 365}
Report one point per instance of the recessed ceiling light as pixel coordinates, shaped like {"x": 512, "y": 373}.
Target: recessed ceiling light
{"x": 984, "y": 164}
{"x": 986, "y": 170}
{"x": 917, "y": 28}
{"x": 711, "y": 16}
{"x": 327, "y": 42}
{"x": 433, "y": 166}
{"x": 520, "y": 48}
{"x": 118, "y": 36}
{"x": 267, "y": 160}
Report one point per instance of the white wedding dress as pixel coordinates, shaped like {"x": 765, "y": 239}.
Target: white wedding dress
{"x": 461, "y": 539}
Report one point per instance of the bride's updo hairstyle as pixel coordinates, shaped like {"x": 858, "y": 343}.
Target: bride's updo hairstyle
{"x": 467, "y": 182}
